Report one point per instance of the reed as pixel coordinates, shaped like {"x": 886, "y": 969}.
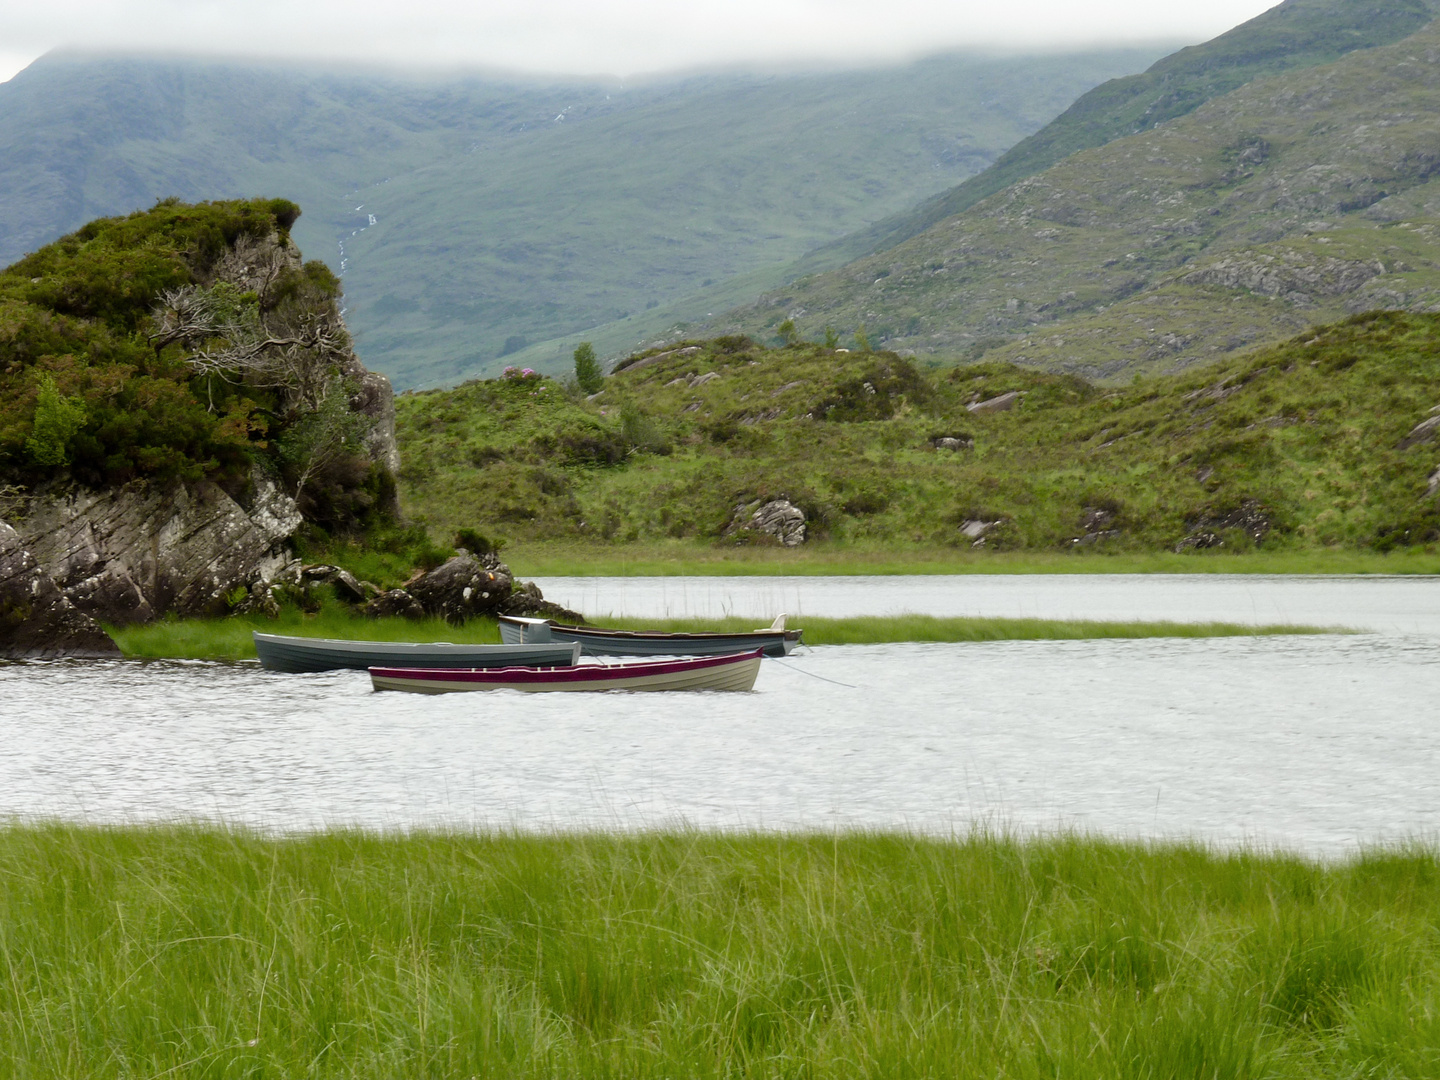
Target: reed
{"x": 195, "y": 952}
{"x": 881, "y": 629}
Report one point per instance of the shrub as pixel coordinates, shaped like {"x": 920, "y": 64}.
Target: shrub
{"x": 57, "y": 419}
{"x": 587, "y": 369}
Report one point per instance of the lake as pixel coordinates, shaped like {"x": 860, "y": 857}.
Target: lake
{"x": 1316, "y": 744}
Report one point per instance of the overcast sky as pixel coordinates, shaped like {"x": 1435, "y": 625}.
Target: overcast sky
{"x": 597, "y": 37}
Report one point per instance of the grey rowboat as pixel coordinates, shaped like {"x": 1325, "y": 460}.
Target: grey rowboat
{"x": 296, "y": 654}
{"x": 594, "y": 641}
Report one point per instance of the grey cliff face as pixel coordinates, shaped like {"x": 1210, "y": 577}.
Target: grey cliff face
{"x": 132, "y": 553}
{"x": 37, "y": 622}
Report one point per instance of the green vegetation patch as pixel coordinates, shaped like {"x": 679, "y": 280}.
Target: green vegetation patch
{"x": 195, "y": 952}
{"x": 1300, "y": 452}
{"x": 230, "y": 638}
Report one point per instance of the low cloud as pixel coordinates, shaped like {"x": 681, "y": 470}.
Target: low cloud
{"x": 614, "y": 37}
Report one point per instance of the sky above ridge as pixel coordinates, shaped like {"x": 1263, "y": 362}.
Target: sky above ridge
{"x": 597, "y": 37}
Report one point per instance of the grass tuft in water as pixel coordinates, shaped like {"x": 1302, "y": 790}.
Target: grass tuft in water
{"x": 230, "y": 639}
{"x": 877, "y": 629}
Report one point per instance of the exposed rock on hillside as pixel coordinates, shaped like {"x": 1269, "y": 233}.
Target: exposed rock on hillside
{"x": 781, "y": 519}
{"x": 36, "y": 620}
{"x": 132, "y": 553}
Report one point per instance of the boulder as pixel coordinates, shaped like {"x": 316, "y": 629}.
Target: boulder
{"x": 976, "y": 528}
{"x": 781, "y": 519}
{"x": 131, "y": 553}
{"x": 36, "y": 619}
{"x": 1000, "y": 403}
{"x": 526, "y": 599}
{"x": 463, "y": 587}
{"x": 395, "y": 602}
{"x": 953, "y": 442}
{"x": 1422, "y": 432}
{"x": 345, "y": 585}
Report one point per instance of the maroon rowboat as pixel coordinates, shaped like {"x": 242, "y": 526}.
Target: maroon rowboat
{"x": 734, "y": 672}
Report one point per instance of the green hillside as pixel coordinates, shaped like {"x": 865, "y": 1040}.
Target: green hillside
{"x": 1293, "y": 34}
{"x": 1293, "y": 200}
{"x": 1298, "y": 447}
{"x": 499, "y": 227}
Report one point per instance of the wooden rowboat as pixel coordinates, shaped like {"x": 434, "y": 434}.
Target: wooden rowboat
{"x": 595, "y": 641}
{"x": 295, "y": 654}
{"x": 735, "y": 672}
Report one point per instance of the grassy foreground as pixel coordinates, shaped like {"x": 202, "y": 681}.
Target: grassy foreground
{"x": 229, "y": 639}
{"x": 190, "y": 952}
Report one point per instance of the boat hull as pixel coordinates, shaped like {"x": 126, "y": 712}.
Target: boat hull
{"x": 734, "y": 673}
{"x": 278, "y": 652}
{"x": 600, "y": 642}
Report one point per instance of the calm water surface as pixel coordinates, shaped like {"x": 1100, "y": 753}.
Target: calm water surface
{"x": 1316, "y": 744}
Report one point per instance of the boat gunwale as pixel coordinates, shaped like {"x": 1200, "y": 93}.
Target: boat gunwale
{"x": 577, "y": 673}
{"x": 666, "y": 635}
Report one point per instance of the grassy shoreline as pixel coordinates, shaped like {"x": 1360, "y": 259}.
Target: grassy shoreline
{"x": 193, "y": 952}
{"x": 698, "y": 560}
{"x": 229, "y": 639}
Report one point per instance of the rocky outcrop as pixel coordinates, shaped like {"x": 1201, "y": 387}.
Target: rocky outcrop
{"x": 463, "y": 587}
{"x": 36, "y": 620}
{"x": 132, "y": 553}
{"x": 953, "y": 442}
{"x": 375, "y": 398}
{"x": 1291, "y": 275}
{"x": 526, "y": 599}
{"x": 393, "y": 603}
{"x": 1250, "y": 517}
{"x": 1422, "y": 432}
{"x": 999, "y": 403}
{"x": 781, "y": 519}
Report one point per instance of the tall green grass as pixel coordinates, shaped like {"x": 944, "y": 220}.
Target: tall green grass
{"x": 897, "y": 628}
{"x": 194, "y": 952}
{"x": 230, "y": 639}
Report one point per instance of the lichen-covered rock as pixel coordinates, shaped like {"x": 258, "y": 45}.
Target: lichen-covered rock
{"x": 526, "y": 599}
{"x": 395, "y": 602}
{"x": 343, "y": 582}
{"x": 463, "y": 587}
{"x": 36, "y": 620}
{"x": 131, "y": 553}
{"x": 781, "y": 519}
{"x": 1423, "y": 432}
{"x": 953, "y": 442}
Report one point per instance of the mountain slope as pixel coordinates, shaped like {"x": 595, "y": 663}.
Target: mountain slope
{"x": 1293, "y": 200}
{"x": 1294, "y": 34}
{"x": 470, "y": 220}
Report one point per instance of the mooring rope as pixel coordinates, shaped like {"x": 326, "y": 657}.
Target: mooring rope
{"x": 812, "y": 675}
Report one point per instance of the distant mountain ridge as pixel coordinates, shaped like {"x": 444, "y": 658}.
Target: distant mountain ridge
{"x": 1293, "y": 34}
{"x": 478, "y": 219}
{"x": 1294, "y": 200}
